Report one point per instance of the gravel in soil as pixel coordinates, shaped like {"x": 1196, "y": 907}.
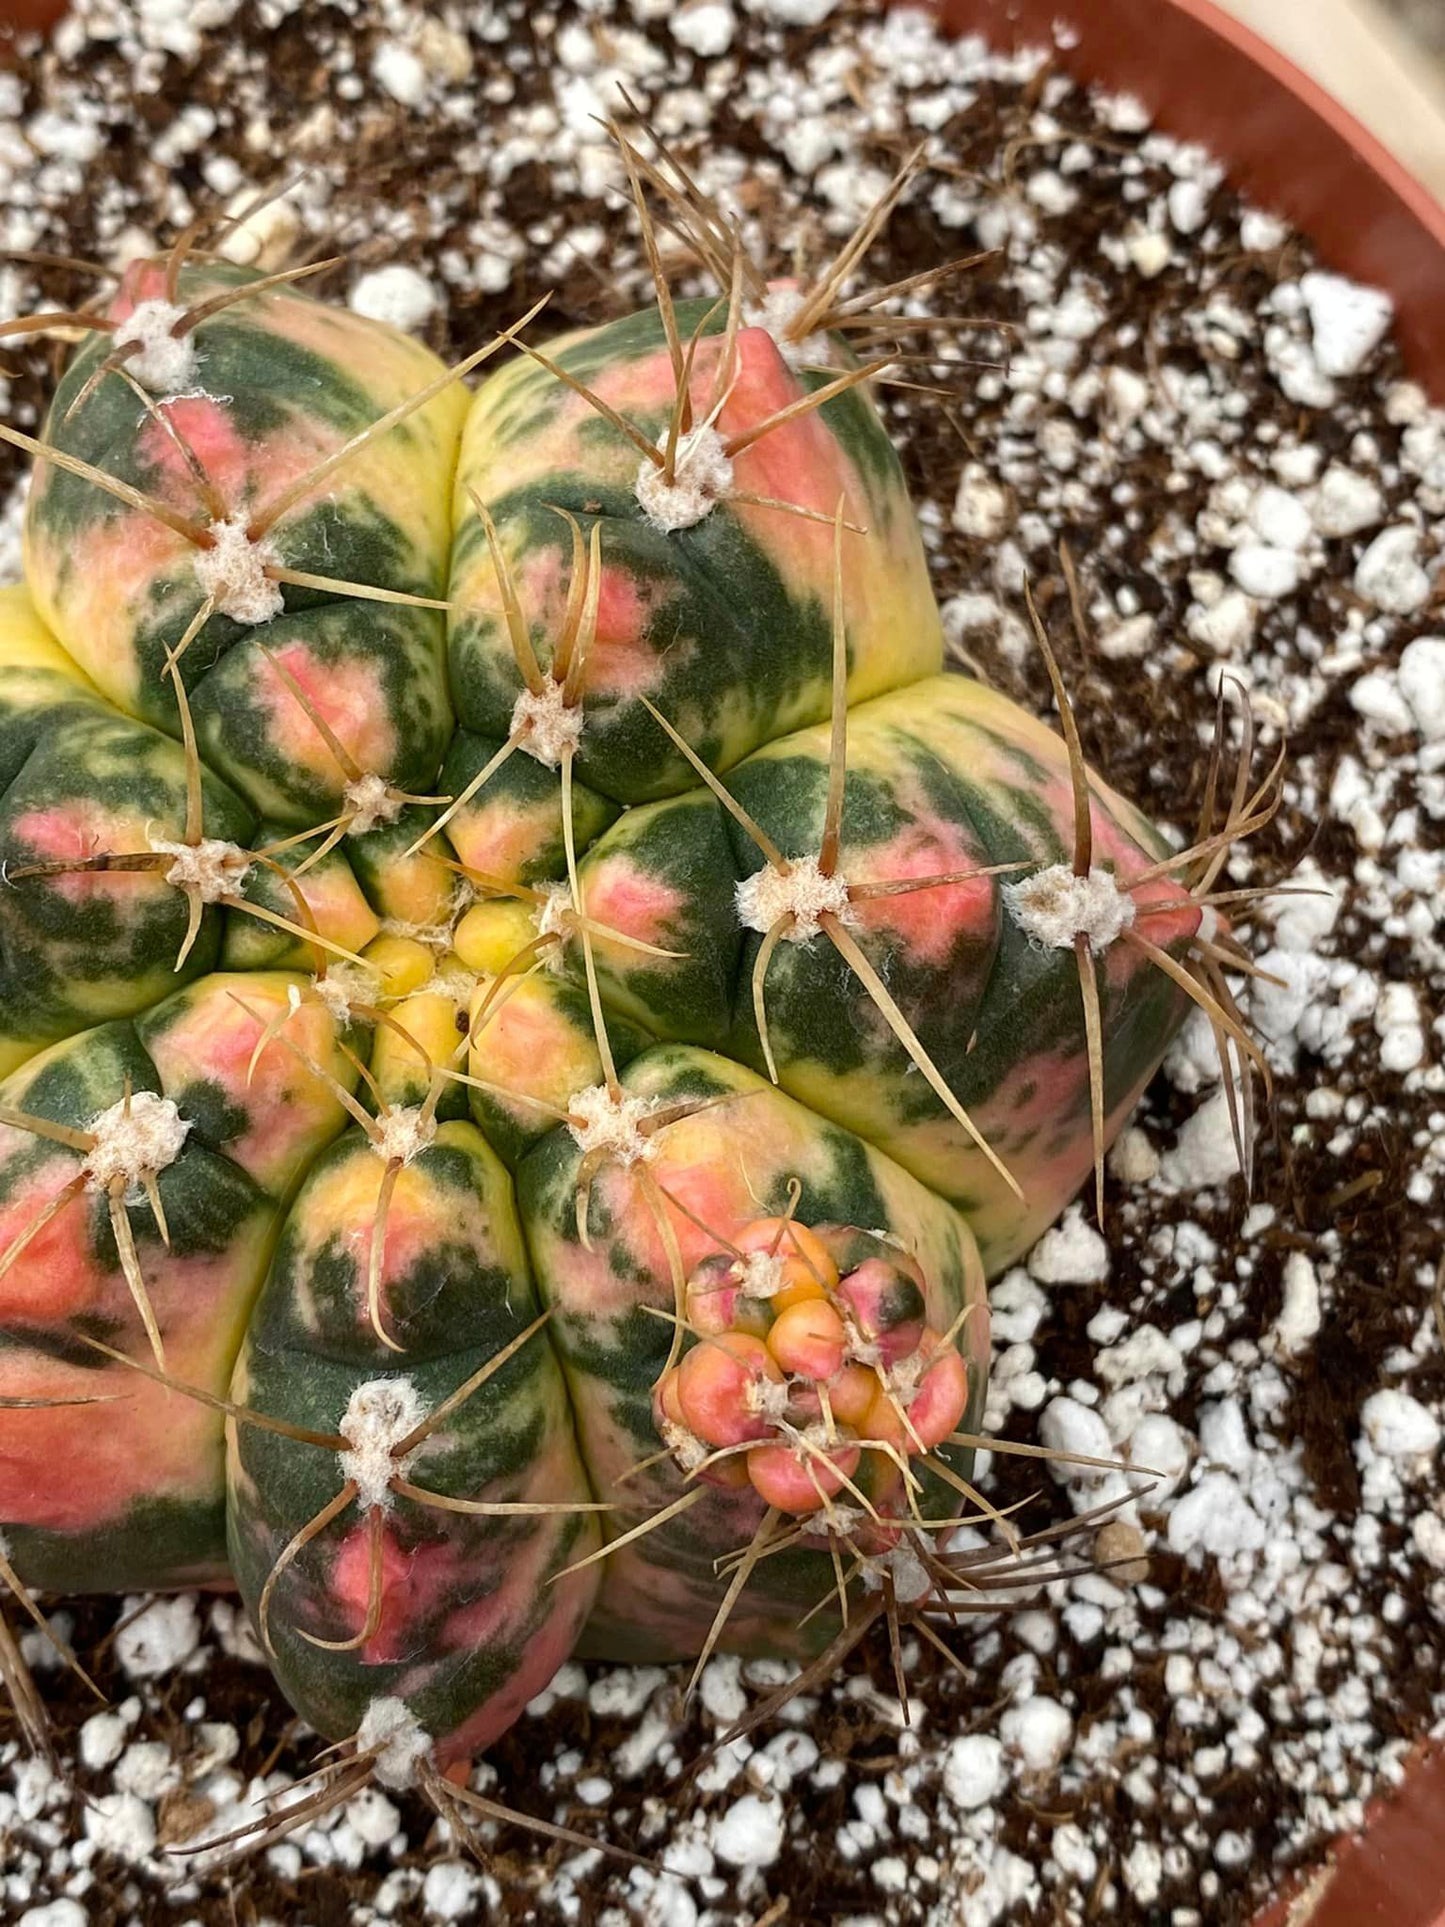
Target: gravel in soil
{"x": 1204, "y": 454}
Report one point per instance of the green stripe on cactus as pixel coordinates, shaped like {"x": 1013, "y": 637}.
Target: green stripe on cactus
{"x": 377, "y": 673}
{"x": 156, "y": 1542}
{"x": 664, "y": 874}
{"x": 470, "y": 1626}
{"x": 130, "y": 1492}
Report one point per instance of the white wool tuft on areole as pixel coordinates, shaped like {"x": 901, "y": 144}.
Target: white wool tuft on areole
{"x": 212, "y": 868}
{"x": 762, "y": 1274}
{"x": 436, "y": 937}
{"x": 1054, "y": 906}
{"x": 370, "y": 802}
{"x": 554, "y": 918}
{"x": 380, "y": 1413}
{"x": 860, "y": 1350}
{"x": 801, "y": 892}
{"x": 686, "y": 1447}
{"x": 342, "y": 988}
{"x": 164, "y": 362}
{"x": 775, "y": 314}
{"x": 133, "y": 1142}
{"x": 400, "y": 1742}
{"x": 403, "y": 1134}
{"x": 233, "y": 573}
{"x": 911, "y": 1579}
{"x": 547, "y": 723}
{"x": 599, "y": 1121}
{"x": 456, "y": 982}
{"x": 840, "y": 1518}
{"x": 767, "y": 1397}
{"x": 701, "y": 476}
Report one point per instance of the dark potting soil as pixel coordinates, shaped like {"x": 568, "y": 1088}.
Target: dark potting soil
{"x": 1209, "y": 467}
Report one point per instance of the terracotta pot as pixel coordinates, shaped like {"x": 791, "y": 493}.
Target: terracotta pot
{"x": 1294, "y": 149}
{"x": 31, "y": 15}
{"x": 1286, "y": 142}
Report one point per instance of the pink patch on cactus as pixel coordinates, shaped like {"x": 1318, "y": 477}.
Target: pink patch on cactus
{"x": 412, "y": 1581}
{"x": 348, "y": 696}
{"x": 149, "y": 1447}
{"x": 143, "y": 280}
{"x": 501, "y": 837}
{"x": 207, "y": 430}
{"x": 56, "y": 1275}
{"x": 622, "y": 895}
{"x": 541, "y": 1659}
{"x": 507, "y": 1601}
{"x": 930, "y": 922}
{"x": 716, "y": 1193}
{"x": 76, "y": 831}
{"x": 529, "y": 1046}
{"x": 1164, "y": 913}
{"x": 214, "y": 1040}
{"x": 620, "y": 663}
{"x": 800, "y": 462}
{"x": 124, "y": 557}
{"x": 410, "y": 1231}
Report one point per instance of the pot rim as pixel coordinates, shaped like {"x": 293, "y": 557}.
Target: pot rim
{"x": 1282, "y": 138}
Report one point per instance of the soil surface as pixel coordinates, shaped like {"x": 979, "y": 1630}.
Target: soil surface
{"x": 1210, "y": 465}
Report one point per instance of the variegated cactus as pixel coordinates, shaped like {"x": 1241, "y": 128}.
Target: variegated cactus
{"x": 529, "y": 997}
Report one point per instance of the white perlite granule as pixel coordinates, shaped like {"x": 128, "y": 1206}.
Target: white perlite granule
{"x": 157, "y": 1636}
{"x": 397, "y": 295}
{"x": 1347, "y": 322}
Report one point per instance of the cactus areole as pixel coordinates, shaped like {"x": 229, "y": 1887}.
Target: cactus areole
{"x": 530, "y": 1004}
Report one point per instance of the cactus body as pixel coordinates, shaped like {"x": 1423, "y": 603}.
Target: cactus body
{"x": 435, "y": 969}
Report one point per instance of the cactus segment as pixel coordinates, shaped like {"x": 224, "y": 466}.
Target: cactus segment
{"x": 138, "y": 1500}
{"x": 435, "y": 1581}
